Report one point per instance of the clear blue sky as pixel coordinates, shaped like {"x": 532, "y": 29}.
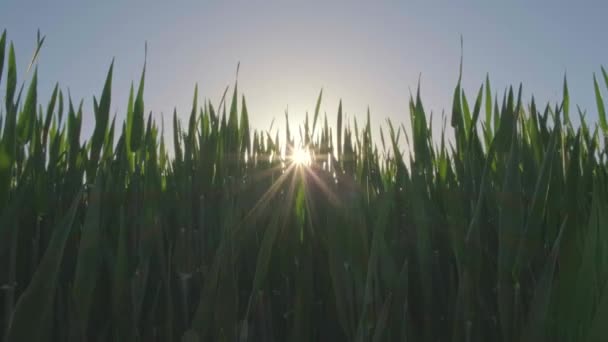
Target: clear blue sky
{"x": 367, "y": 53}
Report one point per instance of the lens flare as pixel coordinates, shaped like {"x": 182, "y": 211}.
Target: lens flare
{"x": 301, "y": 157}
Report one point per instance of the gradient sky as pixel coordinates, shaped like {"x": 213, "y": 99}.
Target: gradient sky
{"x": 366, "y": 53}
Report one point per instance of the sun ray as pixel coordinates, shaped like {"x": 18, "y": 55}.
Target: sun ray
{"x": 265, "y": 198}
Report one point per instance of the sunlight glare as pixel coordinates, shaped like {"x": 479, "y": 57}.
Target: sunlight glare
{"x": 301, "y": 157}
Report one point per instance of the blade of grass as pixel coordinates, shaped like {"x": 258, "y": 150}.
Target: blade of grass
{"x": 34, "y": 307}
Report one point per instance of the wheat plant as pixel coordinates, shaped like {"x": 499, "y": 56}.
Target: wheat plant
{"x": 497, "y": 234}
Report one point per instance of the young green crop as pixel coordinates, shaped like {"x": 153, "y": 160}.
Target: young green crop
{"x": 495, "y": 235}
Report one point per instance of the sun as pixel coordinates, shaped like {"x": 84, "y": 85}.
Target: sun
{"x": 301, "y": 157}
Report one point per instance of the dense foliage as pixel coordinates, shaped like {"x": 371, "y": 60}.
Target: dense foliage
{"x": 499, "y": 234}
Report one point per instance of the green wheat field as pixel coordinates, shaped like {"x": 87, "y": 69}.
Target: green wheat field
{"x": 497, "y": 233}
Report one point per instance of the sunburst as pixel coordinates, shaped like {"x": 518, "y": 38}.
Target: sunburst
{"x": 301, "y": 157}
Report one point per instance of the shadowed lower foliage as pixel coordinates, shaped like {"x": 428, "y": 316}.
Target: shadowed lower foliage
{"x": 497, "y": 234}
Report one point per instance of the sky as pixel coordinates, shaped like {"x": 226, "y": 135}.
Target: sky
{"x": 370, "y": 54}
